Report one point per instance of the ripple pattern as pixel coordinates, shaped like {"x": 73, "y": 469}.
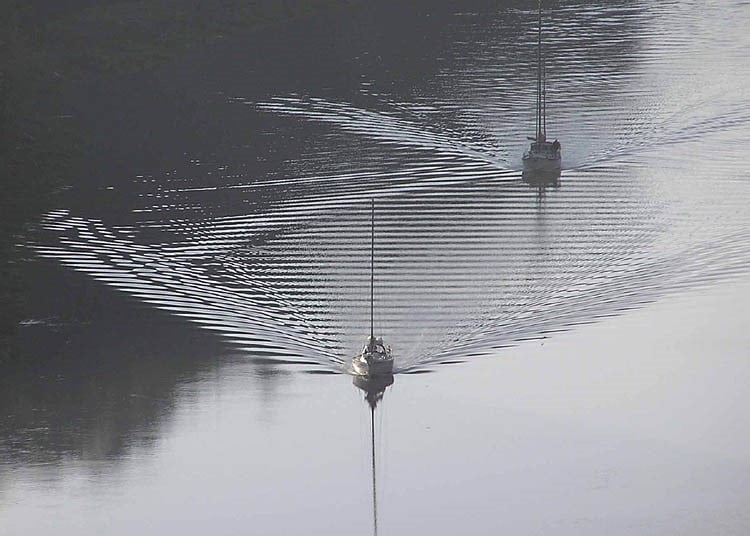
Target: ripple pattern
{"x": 275, "y": 257}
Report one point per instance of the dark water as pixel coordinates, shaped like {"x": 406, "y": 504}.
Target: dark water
{"x": 183, "y": 298}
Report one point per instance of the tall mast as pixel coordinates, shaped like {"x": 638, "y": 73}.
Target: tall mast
{"x": 372, "y": 272}
{"x": 539, "y": 78}
{"x": 544, "y": 99}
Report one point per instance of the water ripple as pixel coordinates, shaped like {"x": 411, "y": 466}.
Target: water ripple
{"x": 268, "y": 246}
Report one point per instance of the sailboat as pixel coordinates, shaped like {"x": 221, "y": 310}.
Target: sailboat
{"x": 543, "y": 157}
{"x": 375, "y": 359}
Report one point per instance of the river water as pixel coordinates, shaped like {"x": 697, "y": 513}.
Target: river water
{"x": 570, "y": 358}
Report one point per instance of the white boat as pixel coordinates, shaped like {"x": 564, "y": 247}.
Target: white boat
{"x": 543, "y": 157}
{"x": 375, "y": 359}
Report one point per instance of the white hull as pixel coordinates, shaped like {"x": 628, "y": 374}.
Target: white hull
{"x": 368, "y": 365}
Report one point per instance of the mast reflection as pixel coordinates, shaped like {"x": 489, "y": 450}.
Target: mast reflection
{"x": 374, "y": 388}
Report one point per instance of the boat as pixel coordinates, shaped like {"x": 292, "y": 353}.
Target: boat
{"x": 543, "y": 157}
{"x": 376, "y": 358}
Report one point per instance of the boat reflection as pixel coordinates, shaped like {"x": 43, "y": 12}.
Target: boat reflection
{"x": 541, "y": 180}
{"x": 374, "y": 388}
{"x": 544, "y": 179}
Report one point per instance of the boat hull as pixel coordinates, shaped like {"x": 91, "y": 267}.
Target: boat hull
{"x": 541, "y": 164}
{"x": 542, "y": 177}
{"x": 373, "y": 366}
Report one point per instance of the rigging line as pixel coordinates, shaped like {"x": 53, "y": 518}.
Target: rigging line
{"x": 372, "y": 271}
{"x": 544, "y": 99}
{"x": 539, "y": 78}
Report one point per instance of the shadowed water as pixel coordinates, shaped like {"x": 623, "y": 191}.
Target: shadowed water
{"x": 469, "y": 258}
{"x": 264, "y": 240}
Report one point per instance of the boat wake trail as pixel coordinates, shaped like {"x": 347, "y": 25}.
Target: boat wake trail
{"x": 244, "y": 310}
{"x": 385, "y": 127}
{"x": 267, "y": 243}
{"x": 462, "y": 268}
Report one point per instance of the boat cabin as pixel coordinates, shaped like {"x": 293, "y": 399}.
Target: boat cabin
{"x": 549, "y": 149}
{"x": 374, "y": 346}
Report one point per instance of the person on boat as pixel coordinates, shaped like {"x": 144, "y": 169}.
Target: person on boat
{"x": 556, "y": 146}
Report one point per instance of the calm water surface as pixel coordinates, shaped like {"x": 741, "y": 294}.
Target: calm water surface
{"x": 195, "y": 314}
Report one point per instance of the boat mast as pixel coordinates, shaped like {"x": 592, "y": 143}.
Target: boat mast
{"x": 544, "y": 99}
{"x": 372, "y": 272}
{"x": 539, "y": 125}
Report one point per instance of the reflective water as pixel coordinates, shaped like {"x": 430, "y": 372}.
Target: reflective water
{"x": 247, "y": 214}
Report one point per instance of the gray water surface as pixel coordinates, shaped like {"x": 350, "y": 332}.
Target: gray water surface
{"x": 198, "y": 310}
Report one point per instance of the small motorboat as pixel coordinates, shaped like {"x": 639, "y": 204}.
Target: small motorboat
{"x": 376, "y": 358}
